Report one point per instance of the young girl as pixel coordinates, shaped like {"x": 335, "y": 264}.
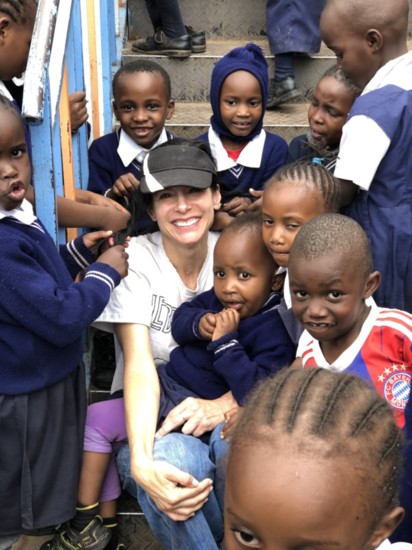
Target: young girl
{"x": 245, "y": 154}
{"x": 305, "y": 470}
{"x": 43, "y": 315}
{"x": 295, "y": 194}
{"x": 331, "y": 101}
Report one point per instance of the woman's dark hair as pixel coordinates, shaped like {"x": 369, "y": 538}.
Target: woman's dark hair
{"x": 140, "y": 203}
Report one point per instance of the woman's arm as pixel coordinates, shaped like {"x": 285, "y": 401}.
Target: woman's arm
{"x": 175, "y": 492}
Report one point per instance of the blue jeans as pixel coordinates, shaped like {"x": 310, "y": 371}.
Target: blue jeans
{"x": 204, "y": 531}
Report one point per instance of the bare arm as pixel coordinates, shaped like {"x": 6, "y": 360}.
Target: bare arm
{"x": 175, "y": 492}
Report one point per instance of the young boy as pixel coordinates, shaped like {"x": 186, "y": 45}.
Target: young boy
{"x": 43, "y": 315}
{"x": 142, "y": 103}
{"x": 374, "y": 164}
{"x": 331, "y": 283}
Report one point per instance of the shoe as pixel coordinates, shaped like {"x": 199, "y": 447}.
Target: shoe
{"x": 198, "y": 39}
{"x": 282, "y": 91}
{"x": 160, "y": 44}
{"x": 95, "y": 536}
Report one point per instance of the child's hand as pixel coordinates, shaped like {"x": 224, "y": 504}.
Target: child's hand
{"x": 207, "y": 325}
{"x": 116, "y": 257}
{"x": 124, "y": 186}
{"x": 78, "y": 110}
{"x": 221, "y": 220}
{"x": 257, "y": 204}
{"x": 94, "y": 239}
{"x": 236, "y": 206}
{"x": 226, "y": 321}
{"x": 232, "y": 417}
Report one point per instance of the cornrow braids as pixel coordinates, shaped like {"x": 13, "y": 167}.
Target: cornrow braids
{"x": 337, "y": 73}
{"x": 17, "y": 10}
{"x": 316, "y": 412}
{"x": 310, "y": 174}
{"x": 142, "y": 66}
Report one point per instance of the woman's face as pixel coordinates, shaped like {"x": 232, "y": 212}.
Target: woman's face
{"x": 184, "y": 214}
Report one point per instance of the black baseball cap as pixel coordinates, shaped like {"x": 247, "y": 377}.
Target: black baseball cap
{"x": 174, "y": 165}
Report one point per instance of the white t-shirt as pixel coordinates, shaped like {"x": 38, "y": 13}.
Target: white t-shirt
{"x": 150, "y": 294}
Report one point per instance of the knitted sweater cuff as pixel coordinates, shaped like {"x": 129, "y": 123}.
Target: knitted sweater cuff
{"x": 104, "y": 273}
{"x": 79, "y": 252}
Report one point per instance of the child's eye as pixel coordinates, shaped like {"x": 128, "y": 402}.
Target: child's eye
{"x": 300, "y": 294}
{"x": 153, "y": 106}
{"x": 292, "y": 226}
{"x": 230, "y": 102}
{"x": 267, "y": 221}
{"x": 244, "y": 275}
{"x": 255, "y": 102}
{"x": 335, "y": 294}
{"x": 127, "y": 107}
{"x": 246, "y": 539}
{"x": 18, "y": 152}
{"x": 219, "y": 274}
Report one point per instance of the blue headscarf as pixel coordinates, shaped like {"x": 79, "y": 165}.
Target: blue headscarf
{"x": 247, "y": 58}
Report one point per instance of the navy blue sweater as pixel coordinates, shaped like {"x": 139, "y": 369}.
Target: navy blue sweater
{"x": 274, "y": 156}
{"x": 260, "y": 347}
{"x": 43, "y": 313}
{"x": 105, "y": 165}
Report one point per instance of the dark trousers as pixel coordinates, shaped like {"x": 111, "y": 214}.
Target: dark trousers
{"x": 166, "y": 14}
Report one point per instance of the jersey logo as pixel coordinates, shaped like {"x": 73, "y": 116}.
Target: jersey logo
{"x": 397, "y": 389}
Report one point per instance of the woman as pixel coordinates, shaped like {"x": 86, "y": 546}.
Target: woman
{"x": 175, "y": 475}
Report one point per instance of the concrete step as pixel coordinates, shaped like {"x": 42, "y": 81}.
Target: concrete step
{"x": 219, "y": 18}
{"x": 191, "y": 76}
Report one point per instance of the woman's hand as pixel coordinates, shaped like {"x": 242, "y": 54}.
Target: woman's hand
{"x": 178, "y": 494}
{"x": 197, "y": 416}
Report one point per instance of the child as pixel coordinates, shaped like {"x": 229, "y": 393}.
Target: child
{"x": 229, "y": 338}
{"x": 43, "y": 315}
{"x": 331, "y": 281}
{"x": 374, "y": 158}
{"x": 16, "y": 26}
{"x": 331, "y": 101}
{"x": 315, "y": 462}
{"x": 245, "y": 154}
{"x": 142, "y": 103}
{"x": 295, "y": 194}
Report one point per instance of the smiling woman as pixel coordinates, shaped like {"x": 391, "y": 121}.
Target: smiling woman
{"x": 173, "y": 475}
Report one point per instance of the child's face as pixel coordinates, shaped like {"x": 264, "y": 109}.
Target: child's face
{"x": 14, "y": 161}
{"x": 285, "y": 208}
{"x": 142, "y": 107}
{"x": 284, "y": 500}
{"x": 328, "y": 110}
{"x": 355, "y": 54}
{"x": 15, "y": 41}
{"x": 328, "y": 297}
{"x": 243, "y": 272}
{"x": 241, "y": 103}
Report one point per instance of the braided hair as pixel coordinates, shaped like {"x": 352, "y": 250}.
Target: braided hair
{"x": 311, "y": 175}
{"x": 316, "y": 412}
{"x": 17, "y": 10}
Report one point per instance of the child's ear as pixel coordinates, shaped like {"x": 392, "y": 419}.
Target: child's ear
{"x": 4, "y": 27}
{"x": 374, "y": 39}
{"x": 386, "y": 527}
{"x": 170, "y": 109}
{"x": 372, "y": 283}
